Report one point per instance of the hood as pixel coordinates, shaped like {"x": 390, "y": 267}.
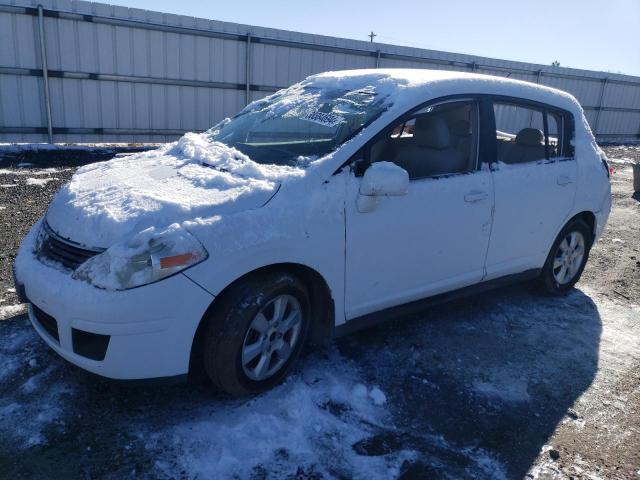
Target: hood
{"x": 189, "y": 179}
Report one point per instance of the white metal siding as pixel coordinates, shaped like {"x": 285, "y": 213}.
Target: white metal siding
{"x": 175, "y": 81}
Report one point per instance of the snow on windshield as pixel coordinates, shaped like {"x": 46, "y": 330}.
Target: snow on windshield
{"x": 305, "y": 121}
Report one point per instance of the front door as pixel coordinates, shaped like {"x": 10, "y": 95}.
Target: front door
{"x": 434, "y": 238}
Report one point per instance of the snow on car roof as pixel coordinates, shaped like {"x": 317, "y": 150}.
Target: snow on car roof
{"x": 413, "y": 86}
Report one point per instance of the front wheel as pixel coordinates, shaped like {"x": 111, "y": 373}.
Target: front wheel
{"x": 567, "y": 258}
{"x": 256, "y": 333}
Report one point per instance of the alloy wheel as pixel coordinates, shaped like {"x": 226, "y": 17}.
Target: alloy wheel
{"x": 568, "y": 257}
{"x": 271, "y": 337}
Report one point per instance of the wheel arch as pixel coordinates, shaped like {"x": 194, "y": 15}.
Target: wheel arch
{"x": 589, "y": 218}
{"x": 322, "y": 304}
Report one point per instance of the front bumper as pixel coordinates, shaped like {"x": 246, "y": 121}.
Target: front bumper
{"x": 150, "y": 329}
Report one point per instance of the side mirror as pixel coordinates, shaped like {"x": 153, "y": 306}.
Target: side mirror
{"x": 381, "y": 179}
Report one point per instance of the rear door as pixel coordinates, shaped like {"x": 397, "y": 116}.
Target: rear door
{"x": 534, "y": 177}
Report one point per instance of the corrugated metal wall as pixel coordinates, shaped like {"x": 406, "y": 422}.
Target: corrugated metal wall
{"x": 127, "y": 75}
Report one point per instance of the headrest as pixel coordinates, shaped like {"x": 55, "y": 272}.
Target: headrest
{"x": 529, "y": 137}
{"x": 431, "y": 132}
{"x": 461, "y": 128}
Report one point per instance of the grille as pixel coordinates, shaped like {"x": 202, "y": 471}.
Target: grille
{"x": 64, "y": 252}
{"x": 46, "y": 321}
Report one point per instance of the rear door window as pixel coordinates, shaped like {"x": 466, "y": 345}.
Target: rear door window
{"x": 519, "y": 133}
{"x": 526, "y": 133}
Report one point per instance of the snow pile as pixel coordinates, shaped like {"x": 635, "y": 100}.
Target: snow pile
{"x": 184, "y": 180}
{"x": 375, "y": 394}
{"x": 308, "y": 424}
{"x": 504, "y": 386}
{"x": 193, "y": 146}
{"x": 9, "y": 311}
{"x": 40, "y": 182}
{"x": 30, "y": 407}
{"x": 321, "y": 423}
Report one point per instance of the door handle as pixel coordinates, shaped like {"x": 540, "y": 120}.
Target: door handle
{"x": 473, "y": 197}
{"x": 564, "y": 180}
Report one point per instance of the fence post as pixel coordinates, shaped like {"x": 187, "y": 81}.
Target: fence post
{"x": 597, "y": 122}
{"x": 45, "y": 74}
{"x": 248, "y": 71}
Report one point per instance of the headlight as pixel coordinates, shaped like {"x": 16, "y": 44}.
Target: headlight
{"x": 148, "y": 257}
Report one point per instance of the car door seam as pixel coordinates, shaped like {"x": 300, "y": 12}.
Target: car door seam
{"x": 493, "y": 214}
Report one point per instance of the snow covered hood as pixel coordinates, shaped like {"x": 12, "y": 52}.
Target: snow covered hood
{"x": 184, "y": 180}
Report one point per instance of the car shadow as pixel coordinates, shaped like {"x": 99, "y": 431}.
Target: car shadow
{"x": 482, "y": 381}
{"x": 492, "y": 374}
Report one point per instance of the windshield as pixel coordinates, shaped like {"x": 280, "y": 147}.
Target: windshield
{"x": 299, "y": 124}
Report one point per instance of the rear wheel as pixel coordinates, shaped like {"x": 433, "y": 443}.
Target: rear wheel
{"x": 567, "y": 258}
{"x": 256, "y": 334}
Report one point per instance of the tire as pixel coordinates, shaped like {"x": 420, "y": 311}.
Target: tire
{"x": 559, "y": 260}
{"x": 247, "y": 322}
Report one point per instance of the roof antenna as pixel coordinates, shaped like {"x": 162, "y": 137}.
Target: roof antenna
{"x": 372, "y": 36}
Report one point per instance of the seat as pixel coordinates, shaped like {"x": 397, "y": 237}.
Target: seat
{"x": 461, "y": 137}
{"x": 431, "y": 151}
{"x": 528, "y": 147}
{"x": 461, "y": 132}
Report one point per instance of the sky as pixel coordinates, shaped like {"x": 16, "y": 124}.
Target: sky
{"x": 592, "y": 34}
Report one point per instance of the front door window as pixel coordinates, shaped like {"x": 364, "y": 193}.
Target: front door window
{"x": 437, "y": 140}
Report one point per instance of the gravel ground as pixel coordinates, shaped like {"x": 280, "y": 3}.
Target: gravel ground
{"x": 508, "y": 384}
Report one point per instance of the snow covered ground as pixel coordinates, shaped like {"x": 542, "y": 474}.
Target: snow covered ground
{"x": 501, "y": 385}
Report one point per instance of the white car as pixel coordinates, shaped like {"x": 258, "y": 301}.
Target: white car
{"x": 338, "y": 202}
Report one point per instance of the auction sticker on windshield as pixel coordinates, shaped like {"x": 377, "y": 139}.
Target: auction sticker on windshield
{"x": 326, "y": 119}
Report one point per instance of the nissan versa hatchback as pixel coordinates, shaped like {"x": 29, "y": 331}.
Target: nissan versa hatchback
{"x": 334, "y": 203}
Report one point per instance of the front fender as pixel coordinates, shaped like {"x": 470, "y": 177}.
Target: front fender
{"x": 309, "y": 232}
